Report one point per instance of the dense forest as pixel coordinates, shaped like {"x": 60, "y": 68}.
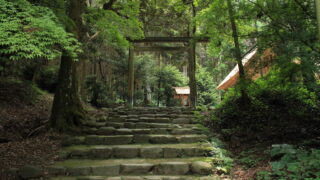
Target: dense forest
{"x": 160, "y": 89}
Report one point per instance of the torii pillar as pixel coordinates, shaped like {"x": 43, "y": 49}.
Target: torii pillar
{"x": 192, "y": 74}
{"x": 130, "y": 77}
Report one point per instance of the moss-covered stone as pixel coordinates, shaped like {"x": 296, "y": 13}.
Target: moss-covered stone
{"x": 151, "y": 152}
{"x": 201, "y": 168}
{"x": 126, "y": 152}
{"x": 107, "y": 170}
{"x": 172, "y": 168}
{"x": 142, "y": 168}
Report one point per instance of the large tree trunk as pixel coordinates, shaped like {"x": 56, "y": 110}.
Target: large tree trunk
{"x": 67, "y": 109}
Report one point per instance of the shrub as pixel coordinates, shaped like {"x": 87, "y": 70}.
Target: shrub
{"x": 17, "y": 92}
{"x": 293, "y": 163}
{"x": 96, "y": 90}
{"x": 275, "y": 110}
{"x": 206, "y": 88}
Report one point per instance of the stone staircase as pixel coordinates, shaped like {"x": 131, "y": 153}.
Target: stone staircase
{"x": 137, "y": 144}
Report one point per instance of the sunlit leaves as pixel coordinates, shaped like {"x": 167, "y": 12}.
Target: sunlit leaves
{"x": 29, "y": 32}
{"x": 118, "y": 24}
{"x": 214, "y": 21}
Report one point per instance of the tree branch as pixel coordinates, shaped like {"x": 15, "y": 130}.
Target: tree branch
{"x": 93, "y": 36}
{"x": 304, "y": 9}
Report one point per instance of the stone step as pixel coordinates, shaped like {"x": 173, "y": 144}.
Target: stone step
{"x": 136, "y": 125}
{"x": 138, "y": 112}
{"x": 124, "y": 116}
{"x": 178, "y": 120}
{"x": 133, "y": 139}
{"x": 128, "y": 131}
{"x": 144, "y": 177}
{"x": 118, "y": 167}
{"x": 137, "y": 151}
{"x": 143, "y": 125}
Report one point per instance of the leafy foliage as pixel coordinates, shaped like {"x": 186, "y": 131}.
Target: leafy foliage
{"x": 29, "y": 32}
{"x": 169, "y": 76}
{"x": 294, "y": 163}
{"x": 116, "y": 26}
{"x": 277, "y": 110}
{"x": 206, "y": 89}
{"x": 213, "y": 20}
{"x": 221, "y": 157}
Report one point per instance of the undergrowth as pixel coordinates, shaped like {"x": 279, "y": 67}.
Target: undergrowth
{"x": 292, "y": 163}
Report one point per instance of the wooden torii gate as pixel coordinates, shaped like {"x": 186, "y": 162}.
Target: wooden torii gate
{"x": 191, "y": 61}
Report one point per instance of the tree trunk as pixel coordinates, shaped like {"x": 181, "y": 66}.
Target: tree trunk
{"x": 238, "y": 56}
{"x": 192, "y": 62}
{"x": 160, "y": 79}
{"x": 67, "y": 109}
{"x": 235, "y": 39}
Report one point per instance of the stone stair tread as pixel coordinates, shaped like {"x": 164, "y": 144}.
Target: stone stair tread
{"x": 136, "y": 151}
{"x": 139, "y": 125}
{"x": 119, "y": 167}
{"x": 133, "y": 139}
{"x": 85, "y": 147}
{"x": 128, "y": 131}
{"x": 151, "y": 135}
{"x": 71, "y": 163}
{"x": 145, "y": 177}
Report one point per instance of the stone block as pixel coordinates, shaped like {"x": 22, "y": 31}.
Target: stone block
{"x": 151, "y": 152}
{"x": 101, "y": 153}
{"x": 107, "y": 170}
{"x": 141, "y": 139}
{"x": 172, "y": 168}
{"x": 159, "y": 131}
{"x": 142, "y": 125}
{"x": 141, "y": 131}
{"x": 190, "y": 139}
{"x": 201, "y": 168}
{"x": 129, "y": 125}
{"x": 181, "y": 121}
{"x": 124, "y": 131}
{"x": 79, "y": 171}
{"x": 136, "y": 168}
{"x": 118, "y": 140}
{"x": 172, "y": 152}
{"x": 159, "y": 125}
{"x": 163, "y": 139}
{"x": 106, "y": 131}
{"x": 94, "y": 140}
{"x": 132, "y": 178}
{"x": 79, "y": 153}
{"x": 126, "y": 152}
{"x": 188, "y": 152}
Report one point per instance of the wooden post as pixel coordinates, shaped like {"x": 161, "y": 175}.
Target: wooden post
{"x": 130, "y": 77}
{"x": 318, "y": 15}
{"x": 192, "y": 74}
